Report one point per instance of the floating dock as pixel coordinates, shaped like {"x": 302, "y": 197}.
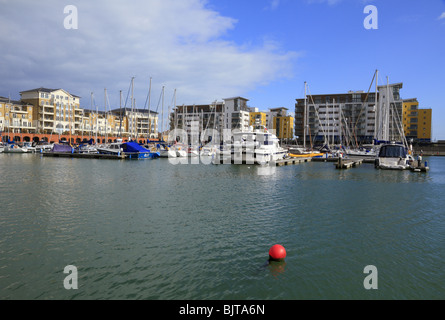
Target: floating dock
{"x": 419, "y": 167}
{"x": 83, "y": 155}
{"x": 347, "y": 164}
{"x": 291, "y": 161}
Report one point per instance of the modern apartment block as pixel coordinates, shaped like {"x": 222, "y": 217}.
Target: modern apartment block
{"x": 354, "y": 117}
{"x": 230, "y": 114}
{"x": 417, "y": 122}
{"x": 258, "y": 117}
{"x": 236, "y": 113}
{"x": 281, "y": 122}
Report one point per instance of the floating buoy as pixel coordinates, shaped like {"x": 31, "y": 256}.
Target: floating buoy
{"x": 277, "y": 253}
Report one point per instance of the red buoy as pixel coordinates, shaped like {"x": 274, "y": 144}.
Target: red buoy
{"x": 277, "y": 253}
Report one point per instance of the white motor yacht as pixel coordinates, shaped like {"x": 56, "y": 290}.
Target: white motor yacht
{"x": 393, "y": 156}
{"x": 255, "y": 146}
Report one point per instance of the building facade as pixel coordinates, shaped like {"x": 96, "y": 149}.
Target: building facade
{"x": 42, "y": 113}
{"x": 417, "y": 123}
{"x": 281, "y": 123}
{"x": 211, "y": 119}
{"x": 16, "y": 116}
{"x": 354, "y": 117}
{"x": 236, "y": 113}
{"x": 55, "y": 110}
{"x": 258, "y": 117}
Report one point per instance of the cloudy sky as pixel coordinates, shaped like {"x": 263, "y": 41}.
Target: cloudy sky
{"x": 208, "y": 50}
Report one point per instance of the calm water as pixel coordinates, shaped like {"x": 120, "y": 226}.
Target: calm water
{"x": 152, "y": 230}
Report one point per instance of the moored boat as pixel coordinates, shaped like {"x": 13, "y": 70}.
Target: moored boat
{"x": 14, "y": 148}
{"x": 254, "y": 146}
{"x": 393, "y": 156}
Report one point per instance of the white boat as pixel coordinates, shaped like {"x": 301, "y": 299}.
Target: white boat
{"x": 192, "y": 152}
{"x": 181, "y": 150}
{"x": 255, "y": 146}
{"x": 362, "y": 152}
{"x": 29, "y": 147}
{"x": 86, "y": 148}
{"x": 13, "y": 148}
{"x": 112, "y": 148}
{"x": 43, "y": 147}
{"x": 165, "y": 151}
{"x": 207, "y": 151}
{"x": 393, "y": 156}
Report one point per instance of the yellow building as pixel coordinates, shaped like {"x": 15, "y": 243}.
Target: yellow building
{"x": 284, "y": 127}
{"x": 417, "y": 122}
{"x": 55, "y": 110}
{"x": 258, "y": 118}
{"x": 16, "y": 116}
{"x": 281, "y": 123}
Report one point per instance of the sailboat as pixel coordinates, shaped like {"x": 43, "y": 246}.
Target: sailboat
{"x": 392, "y": 155}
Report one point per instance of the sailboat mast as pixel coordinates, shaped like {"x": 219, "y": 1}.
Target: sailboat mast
{"x": 149, "y": 106}
{"x": 132, "y": 108}
{"x": 305, "y": 115}
{"x": 97, "y": 120}
{"x": 387, "y": 111}
{"x": 376, "y": 112}
{"x": 162, "y": 111}
{"x": 120, "y": 114}
{"x": 106, "y": 120}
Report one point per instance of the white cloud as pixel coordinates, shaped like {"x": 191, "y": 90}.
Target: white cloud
{"x": 181, "y": 44}
{"x": 442, "y": 16}
{"x": 273, "y": 5}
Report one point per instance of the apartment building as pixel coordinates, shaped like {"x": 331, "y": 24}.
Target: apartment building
{"x": 229, "y": 114}
{"x": 417, "y": 123}
{"x": 353, "y": 117}
{"x": 236, "y": 113}
{"x": 54, "y": 110}
{"x": 281, "y": 123}
{"x": 16, "y": 116}
{"x": 258, "y": 117}
{"x": 136, "y": 122}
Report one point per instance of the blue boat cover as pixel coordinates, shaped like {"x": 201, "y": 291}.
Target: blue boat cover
{"x": 62, "y": 148}
{"x": 133, "y": 147}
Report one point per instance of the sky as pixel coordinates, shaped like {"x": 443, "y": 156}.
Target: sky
{"x": 207, "y": 50}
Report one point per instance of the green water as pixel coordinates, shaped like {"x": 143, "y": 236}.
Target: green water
{"x": 152, "y": 230}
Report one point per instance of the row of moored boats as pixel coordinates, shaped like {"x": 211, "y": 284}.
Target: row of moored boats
{"x": 256, "y": 145}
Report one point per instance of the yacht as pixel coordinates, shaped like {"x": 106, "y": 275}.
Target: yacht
{"x": 393, "y": 156}
{"x": 254, "y": 146}
{"x": 131, "y": 150}
{"x": 115, "y": 148}
{"x": 14, "y": 148}
{"x": 298, "y": 152}
{"x": 165, "y": 151}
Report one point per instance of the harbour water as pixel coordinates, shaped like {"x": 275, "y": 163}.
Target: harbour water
{"x": 152, "y": 230}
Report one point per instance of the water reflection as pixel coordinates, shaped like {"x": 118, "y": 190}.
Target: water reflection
{"x": 277, "y": 268}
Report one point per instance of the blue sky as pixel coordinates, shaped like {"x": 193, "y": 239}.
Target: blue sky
{"x": 262, "y": 50}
